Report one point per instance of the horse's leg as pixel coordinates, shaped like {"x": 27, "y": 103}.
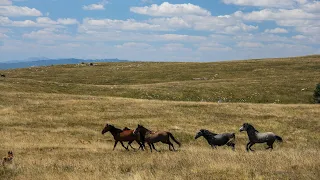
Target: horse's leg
{"x": 247, "y": 146}
{"x": 124, "y": 146}
{"x": 250, "y": 146}
{"x": 150, "y": 147}
{"x": 141, "y": 145}
{"x": 129, "y": 144}
{"x": 170, "y": 144}
{"x": 270, "y": 145}
{"x": 213, "y": 146}
{"x": 232, "y": 145}
{"x": 115, "y": 144}
{"x": 154, "y": 147}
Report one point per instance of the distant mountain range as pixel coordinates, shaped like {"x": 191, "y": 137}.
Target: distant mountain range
{"x": 31, "y": 62}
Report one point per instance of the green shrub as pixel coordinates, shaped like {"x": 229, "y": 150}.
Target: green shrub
{"x": 316, "y": 94}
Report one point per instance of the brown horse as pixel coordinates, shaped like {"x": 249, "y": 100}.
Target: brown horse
{"x": 153, "y": 137}
{"x": 122, "y": 136}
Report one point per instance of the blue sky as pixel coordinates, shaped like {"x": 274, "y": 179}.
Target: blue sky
{"x": 154, "y": 30}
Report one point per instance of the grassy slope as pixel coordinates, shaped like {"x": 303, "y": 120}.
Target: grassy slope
{"x": 290, "y": 80}
{"x": 50, "y": 120}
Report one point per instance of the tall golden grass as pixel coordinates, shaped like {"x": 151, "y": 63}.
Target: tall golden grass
{"x": 52, "y": 117}
{"x": 59, "y": 136}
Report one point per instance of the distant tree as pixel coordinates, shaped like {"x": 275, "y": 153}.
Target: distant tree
{"x": 316, "y": 94}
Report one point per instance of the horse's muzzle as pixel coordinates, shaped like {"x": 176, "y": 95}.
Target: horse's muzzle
{"x": 241, "y": 129}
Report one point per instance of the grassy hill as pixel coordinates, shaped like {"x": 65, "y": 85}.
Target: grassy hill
{"x": 52, "y": 117}
{"x": 289, "y": 80}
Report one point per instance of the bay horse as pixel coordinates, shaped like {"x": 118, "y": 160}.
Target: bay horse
{"x": 121, "y": 136}
{"x": 217, "y": 139}
{"x": 152, "y": 137}
{"x": 257, "y": 137}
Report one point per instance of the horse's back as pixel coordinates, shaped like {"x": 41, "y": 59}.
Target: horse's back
{"x": 127, "y": 135}
{"x": 156, "y": 136}
{"x": 266, "y": 136}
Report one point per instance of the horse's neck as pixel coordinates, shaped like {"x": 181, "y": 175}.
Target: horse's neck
{"x": 115, "y": 131}
{"x": 252, "y": 132}
{"x": 209, "y": 135}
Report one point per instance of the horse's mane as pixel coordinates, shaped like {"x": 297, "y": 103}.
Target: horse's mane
{"x": 117, "y": 129}
{"x": 126, "y": 128}
{"x": 252, "y": 127}
{"x": 145, "y": 128}
{"x": 207, "y": 132}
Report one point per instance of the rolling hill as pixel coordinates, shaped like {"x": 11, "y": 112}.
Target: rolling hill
{"x": 51, "y": 118}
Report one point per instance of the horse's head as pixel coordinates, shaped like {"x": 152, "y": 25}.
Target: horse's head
{"x": 107, "y": 128}
{"x": 138, "y": 129}
{"x": 199, "y": 134}
{"x": 246, "y": 127}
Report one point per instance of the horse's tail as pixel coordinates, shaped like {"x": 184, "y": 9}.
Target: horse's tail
{"x": 171, "y": 136}
{"x": 279, "y": 138}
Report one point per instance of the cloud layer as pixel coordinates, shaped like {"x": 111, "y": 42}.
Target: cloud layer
{"x": 165, "y": 31}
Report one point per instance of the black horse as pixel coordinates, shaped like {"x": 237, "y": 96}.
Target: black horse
{"x": 257, "y": 137}
{"x": 217, "y": 139}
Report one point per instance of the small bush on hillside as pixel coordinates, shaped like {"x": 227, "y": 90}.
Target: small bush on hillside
{"x": 316, "y": 95}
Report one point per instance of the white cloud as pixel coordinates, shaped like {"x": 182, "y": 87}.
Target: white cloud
{"x": 94, "y": 7}
{"x": 166, "y": 9}
{"x": 15, "y": 11}
{"x": 40, "y": 22}
{"x": 175, "y": 47}
{"x": 171, "y": 23}
{"x": 135, "y": 45}
{"x": 5, "y": 2}
{"x": 129, "y": 24}
{"x": 276, "y": 14}
{"x": 249, "y": 44}
{"x": 212, "y": 46}
{"x": 312, "y": 7}
{"x": 67, "y": 21}
{"x": 300, "y": 37}
{"x": 47, "y": 34}
{"x": 98, "y": 6}
{"x": 266, "y": 3}
{"x": 303, "y": 21}
{"x": 276, "y": 30}
{"x": 179, "y": 37}
{"x": 2, "y": 35}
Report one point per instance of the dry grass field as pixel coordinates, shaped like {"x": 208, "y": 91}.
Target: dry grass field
{"x": 52, "y": 117}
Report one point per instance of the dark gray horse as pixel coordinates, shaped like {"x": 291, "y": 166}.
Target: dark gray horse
{"x": 217, "y": 139}
{"x": 257, "y": 137}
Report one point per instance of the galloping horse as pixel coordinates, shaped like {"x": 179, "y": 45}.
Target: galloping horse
{"x": 257, "y": 137}
{"x": 153, "y": 137}
{"x": 217, "y": 139}
{"x": 121, "y": 136}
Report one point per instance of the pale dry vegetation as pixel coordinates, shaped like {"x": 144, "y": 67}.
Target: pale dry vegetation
{"x": 55, "y": 133}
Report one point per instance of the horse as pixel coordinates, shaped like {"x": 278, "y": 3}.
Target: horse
{"x": 3, "y": 75}
{"x": 217, "y": 139}
{"x": 257, "y": 137}
{"x": 140, "y": 146}
{"x": 122, "y": 136}
{"x": 8, "y": 159}
{"x": 153, "y": 137}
